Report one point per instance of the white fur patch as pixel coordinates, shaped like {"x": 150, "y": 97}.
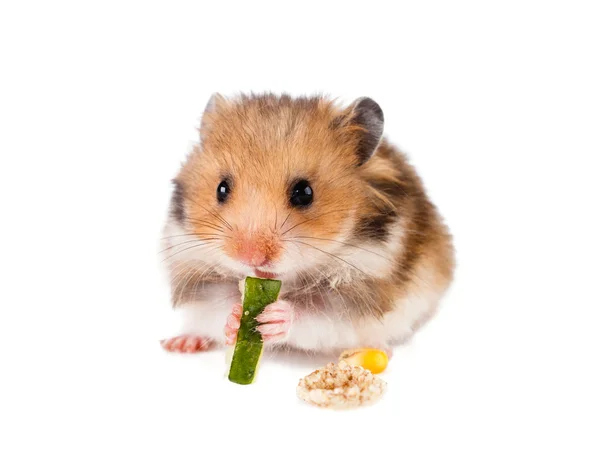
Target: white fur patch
{"x": 421, "y": 302}
{"x": 325, "y": 332}
{"x": 208, "y": 317}
{"x": 321, "y": 332}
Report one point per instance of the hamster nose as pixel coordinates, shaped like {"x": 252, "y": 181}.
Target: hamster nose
{"x": 254, "y": 249}
{"x": 251, "y": 255}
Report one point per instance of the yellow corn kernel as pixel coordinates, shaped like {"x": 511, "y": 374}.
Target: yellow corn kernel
{"x": 374, "y": 360}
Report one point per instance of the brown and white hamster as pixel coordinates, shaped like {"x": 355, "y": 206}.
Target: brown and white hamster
{"x": 310, "y": 193}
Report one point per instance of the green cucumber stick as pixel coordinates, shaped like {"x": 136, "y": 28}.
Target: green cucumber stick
{"x": 258, "y": 293}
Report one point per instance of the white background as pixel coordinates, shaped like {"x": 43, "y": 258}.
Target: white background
{"x": 498, "y": 105}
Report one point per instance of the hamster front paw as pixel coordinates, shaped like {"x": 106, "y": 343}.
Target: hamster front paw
{"x": 275, "y": 321}
{"x": 233, "y": 324}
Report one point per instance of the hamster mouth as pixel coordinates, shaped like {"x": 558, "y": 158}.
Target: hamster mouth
{"x": 264, "y": 274}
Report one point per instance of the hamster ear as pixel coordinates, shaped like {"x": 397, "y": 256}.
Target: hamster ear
{"x": 215, "y": 103}
{"x": 367, "y": 114}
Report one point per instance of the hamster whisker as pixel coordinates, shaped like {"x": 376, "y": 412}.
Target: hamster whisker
{"x": 310, "y": 282}
{"x": 204, "y": 223}
{"x": 186, "y": 276}
{"x": 200, "y": 281}
{"x": 284, "y": 221}
{"x": 177, "y": 235}
{"x": 344, "y": 243}
{"x": 182, "y": 285}
{"x": 193, "y": 276}
{"x": 201, "y": 240}
{"x": 330, "y": 254}
{"x": 313, "y": 219}
{"x": 195, "y": 234}
{"x": 194, "y": 241}
{"x": 184, "y": 266}
{"x": 187, "y": 248}
{"x": 316, "y": 286}
{"x": 212, "y": 212}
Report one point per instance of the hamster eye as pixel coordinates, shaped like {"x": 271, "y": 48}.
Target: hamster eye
{"x": 302, "y": 194}
{"x": 223, "y": 191}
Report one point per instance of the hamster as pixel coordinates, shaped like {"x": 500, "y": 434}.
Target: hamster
{"x": 309, "y": 192}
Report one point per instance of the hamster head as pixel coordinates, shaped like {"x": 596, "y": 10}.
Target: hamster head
{"x": 274, "y": 189}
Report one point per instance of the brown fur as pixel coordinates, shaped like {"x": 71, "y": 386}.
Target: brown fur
{"x": 399, "y": 192}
